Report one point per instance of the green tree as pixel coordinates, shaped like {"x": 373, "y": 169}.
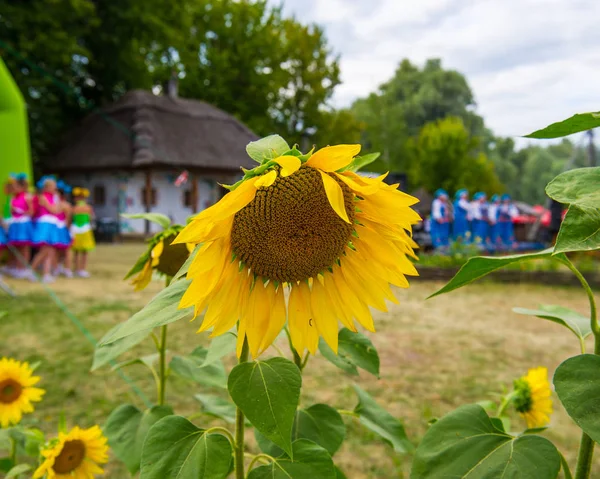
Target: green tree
{"x": 412, "y": 98}
{"x": 445, "y": 155}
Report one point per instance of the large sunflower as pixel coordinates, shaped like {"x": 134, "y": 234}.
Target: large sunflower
{"x": 75, "y": 455}
{"x": 334, "y": 239}
{"x": 16, "y": 391}
{"x": 533, "y": 397}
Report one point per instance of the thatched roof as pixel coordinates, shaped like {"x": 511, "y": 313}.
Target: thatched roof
{"x": 143, "y": 129}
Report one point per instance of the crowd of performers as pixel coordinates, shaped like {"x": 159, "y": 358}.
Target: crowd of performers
{"x": 47, "y": 231}
{"x": 488, "y": 224}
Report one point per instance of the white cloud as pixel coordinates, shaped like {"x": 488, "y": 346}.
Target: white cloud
{"x": 529, "y": 62}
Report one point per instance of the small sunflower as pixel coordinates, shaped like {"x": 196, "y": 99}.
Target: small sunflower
{"x": 306, "y": 225}
{"x": 532, "y": 397}
{"x": 17, "y": 391}
{"x": 74, "y": 455}
{"x": 162, "y": 256}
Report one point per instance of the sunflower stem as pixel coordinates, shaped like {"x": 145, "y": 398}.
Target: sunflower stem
{"x": 239, "y": 426}
{"x": 13, "y": 451}
{"x": 586, "y": 446}
{"x": 162, "y": 371}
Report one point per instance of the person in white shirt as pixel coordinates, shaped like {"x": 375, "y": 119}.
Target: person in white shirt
{"x": 493, "y": 212}
{"x": 507, "y": 213}
{"x": 462, "y": 216}
{"x": 440, "y": 219}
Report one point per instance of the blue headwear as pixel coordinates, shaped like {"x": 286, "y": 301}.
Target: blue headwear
{"x": 439, "y": 192}
{"x": 43, "y": 179}
{"x": 495, "y": 198}
{"x": 64, "y": 187}
{"x": 460, "y": 192}
{"x": 505, "y": 197}
{"x": 479, "y": 195}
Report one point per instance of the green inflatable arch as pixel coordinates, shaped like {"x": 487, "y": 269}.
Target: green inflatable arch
{"x": 15, "y": 154}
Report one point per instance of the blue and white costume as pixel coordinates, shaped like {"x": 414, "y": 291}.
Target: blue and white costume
{"x": 495, "y": 228}
{"x": 507, "y": 213}
{"x": 440, "y": 220}
{"x": 479, "y": 213}
{"x": 462, "y": 216}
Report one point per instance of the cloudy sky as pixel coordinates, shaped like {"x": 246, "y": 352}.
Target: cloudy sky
{"x": 529, "y": 62}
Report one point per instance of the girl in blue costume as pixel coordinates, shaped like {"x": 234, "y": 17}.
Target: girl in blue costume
{"x": 495, "y": 228}
{"x": 46, "y": 232}
{"x": 440, "y": 219}
{"x": 479, "y": 213}
{"x": 462, "y": 216}
{"x": 20, "y": 230}
{"x": 507, "y": 212}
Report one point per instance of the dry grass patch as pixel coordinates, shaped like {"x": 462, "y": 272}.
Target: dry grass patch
{"x": 435, "y": 355}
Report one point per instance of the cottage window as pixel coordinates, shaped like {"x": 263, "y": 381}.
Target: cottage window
{"x": 188, "y": 198}
{"x": 152, "y": 196}
{"x": 99, "y": 195}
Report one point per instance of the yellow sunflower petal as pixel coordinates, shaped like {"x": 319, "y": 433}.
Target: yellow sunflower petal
{"x": 323, "y": 317}
{"x": 156, "y": 252}
{"x": 143, "y": 278}
{"x": 289, "y": 164}
{"x": 267, "y": 180}
{"x": 229, "y": 205}
{"x": 276, "y": 321}
{"x": 298, "y": 318}
{"x": 335, "y": 195}
{"x": 333, "y": 158}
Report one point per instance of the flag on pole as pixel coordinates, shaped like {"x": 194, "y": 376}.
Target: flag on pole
{"x": 182, "y": 178}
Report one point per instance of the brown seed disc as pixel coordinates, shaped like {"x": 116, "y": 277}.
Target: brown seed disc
{"x": 70, "y": 457}
{"x": 290, "y": 232}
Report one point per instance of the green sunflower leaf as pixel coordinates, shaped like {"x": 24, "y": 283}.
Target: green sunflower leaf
{"x": 162, "y": 309}
{"x": 579, "y": 231}
{"x": 17, "y": 470}
{"x": 311, "y": 461}
{"x": 158, "y": 218}
{"x": 177, "y": 449}
{"x": 220, "y": 347}
{"x": 267, "y": 148}
{"x": 577, "y": 187}
{"x": 217, "y": 406}
{"x": 577, "y": 383}
{"x": 194, "y": 368}
{"x": 360, "y": 162}
{"x": 126, "y": 429}
{"x": 268, "y": 392}
{"x": 578, "y": 324}
{"x": 354, "y": 350}
{"x": 106, "y": 353}
{"x": 480, "y": 266}
{"x": 574, "y": 124}
{"x": 139, "y": 264}
{"x": 381, "y": 422}
{"x": 319, "y": 423}
{"x": 466, "y": 443}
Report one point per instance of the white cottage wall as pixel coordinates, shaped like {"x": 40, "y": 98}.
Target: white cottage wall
{"x": 123, "y": 192}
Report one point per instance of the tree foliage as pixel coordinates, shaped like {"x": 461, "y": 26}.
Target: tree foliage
{"x": 272, "y": 72}
{"x": 445, "y": 155}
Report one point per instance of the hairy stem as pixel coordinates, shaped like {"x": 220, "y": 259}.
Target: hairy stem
{"x": 239, "y": 427}
{"x": 162, "y": 365}
{"x": 586, "y": 446}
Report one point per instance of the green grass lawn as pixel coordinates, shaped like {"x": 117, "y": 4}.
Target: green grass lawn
{"x": 435, "y": 355}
